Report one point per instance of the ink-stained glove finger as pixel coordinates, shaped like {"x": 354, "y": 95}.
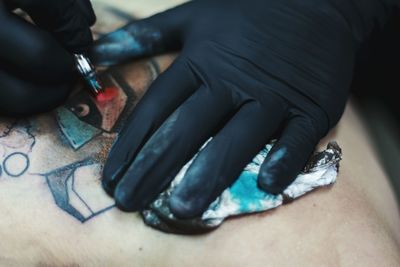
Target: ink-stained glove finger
{"x": 220, "y": 163}
{"x": 172, "y": 146}
{"x": 130, "y": 42}
{"x": 289, "y": 155}
{"x": 160, "y": 33}
{"x": 165, "y": 95}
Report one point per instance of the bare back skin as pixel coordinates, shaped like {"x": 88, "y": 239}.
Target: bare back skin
{"x": 54, "y": 212}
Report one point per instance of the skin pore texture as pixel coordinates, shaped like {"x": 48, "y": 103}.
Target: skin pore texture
{"x": 55, "y": 213}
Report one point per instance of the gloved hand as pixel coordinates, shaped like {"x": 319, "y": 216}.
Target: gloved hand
{"x": 36, "y": 71}
{"x": 249, "y": 71}
{"x": 68, "y": 21}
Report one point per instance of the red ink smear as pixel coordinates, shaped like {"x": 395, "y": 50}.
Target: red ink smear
{"x": 107, "y": 95}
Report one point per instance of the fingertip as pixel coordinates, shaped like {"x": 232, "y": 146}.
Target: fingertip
{"x": 108, "y": 188}
{"x": 123, "y": 200}
{"x": 133, "y": 41}
{"x": 109, "y": 49}
{"x": 273, "y": 172}
{"x": 268, "y": 183}
{"x": 111, "y": 177}
{"x": 183, "y": 208}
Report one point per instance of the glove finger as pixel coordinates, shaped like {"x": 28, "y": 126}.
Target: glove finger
{"x": 19, "y": 97}
{"x": 28, "y": 52}
{"x": 86, "y": 9}
{"x": 167, "y": 93}
{"x": 220, "y": 163}
{"x": 63, "y": 19}
{"x": 289, "y": 155}
{"x": 157, "y": 34}
{"x": 172, "y": 146}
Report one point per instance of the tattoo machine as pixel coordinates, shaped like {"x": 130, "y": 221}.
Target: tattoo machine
{"x": 87, "y": 70}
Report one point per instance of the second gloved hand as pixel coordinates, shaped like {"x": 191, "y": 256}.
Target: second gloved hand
{"x": 249, "y": 71}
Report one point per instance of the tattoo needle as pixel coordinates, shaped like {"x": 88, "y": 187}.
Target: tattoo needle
{"x": 88, "y": 72}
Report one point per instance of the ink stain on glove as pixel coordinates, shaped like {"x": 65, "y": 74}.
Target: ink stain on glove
{"x": 244, "y": 196}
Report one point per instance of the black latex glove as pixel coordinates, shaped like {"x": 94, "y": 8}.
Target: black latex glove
{"x": 68, "y": 21}
{"x": 249, "y": 70}
{"x": 36, "y": 72}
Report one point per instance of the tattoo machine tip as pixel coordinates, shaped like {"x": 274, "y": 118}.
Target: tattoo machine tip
{"x": 88, "y": 72}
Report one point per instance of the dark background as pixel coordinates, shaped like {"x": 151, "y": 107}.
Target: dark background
{"x": 376, "y": 89}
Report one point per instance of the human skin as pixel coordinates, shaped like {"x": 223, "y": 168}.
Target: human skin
{"x": 355, "y": 222}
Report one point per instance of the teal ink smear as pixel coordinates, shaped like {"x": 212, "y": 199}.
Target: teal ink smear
{"x": 77, "y": 132}
{"x": 245, "y": 192}
{"x": 244, "y": 196}
{"x": 278, "y": 155}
